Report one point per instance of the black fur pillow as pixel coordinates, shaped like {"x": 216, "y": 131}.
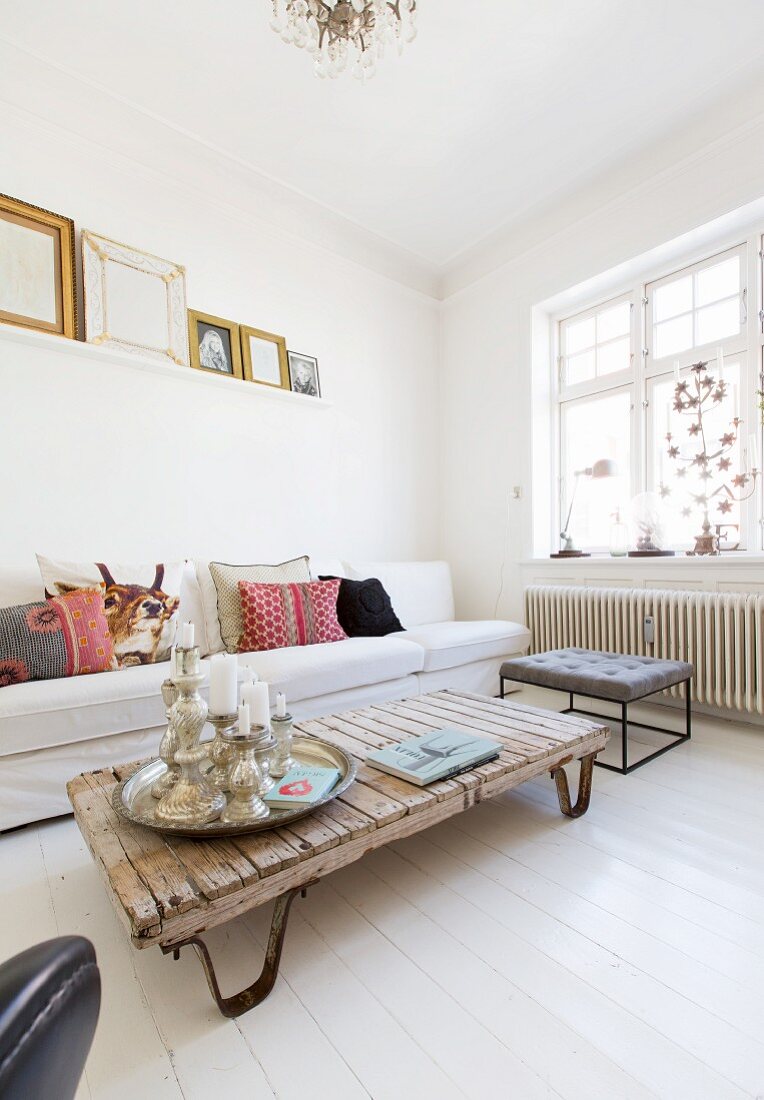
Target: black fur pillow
{"x": 364, "y": 609}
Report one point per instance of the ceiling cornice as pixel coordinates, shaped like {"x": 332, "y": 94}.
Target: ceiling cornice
{"x": 42, "y": 94}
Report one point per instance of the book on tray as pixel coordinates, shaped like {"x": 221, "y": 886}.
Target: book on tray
{"x": 436, "y": 755}
{"x": 301, "y": 786}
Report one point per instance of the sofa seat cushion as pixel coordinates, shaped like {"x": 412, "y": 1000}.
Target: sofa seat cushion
{"x": 450, "y": 644}
{"x": 306, "y": 671}
{"x": 37, "y": 715}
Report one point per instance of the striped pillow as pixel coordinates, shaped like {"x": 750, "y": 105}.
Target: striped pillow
{"x": 65, "y": 636}
{"x": 275, "y": 616}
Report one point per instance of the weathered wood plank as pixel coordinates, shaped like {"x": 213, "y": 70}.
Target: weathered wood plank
{"x": 529, "y": 729}
{"x": 134, "y": 903}
{"x": 267, "y": 852}
{"x": 524, "y": 743}
{"x": 347, "y": 823}
{"x": 309, "y": 836}
{"x": 162, "y": 873}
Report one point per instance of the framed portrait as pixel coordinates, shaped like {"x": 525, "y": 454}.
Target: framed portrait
{"x": 133, "y": 300}
{"x": 303, "y": 374}
{"x": 265, "y": 358}
{"x": 37, "y": 283}
{"x": 214, "y": 344}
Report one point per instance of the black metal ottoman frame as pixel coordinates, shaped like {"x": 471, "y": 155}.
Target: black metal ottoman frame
{"x": 625, "y": 768}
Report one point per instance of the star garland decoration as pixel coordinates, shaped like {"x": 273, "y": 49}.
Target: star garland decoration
{"x": 712, "y": 462}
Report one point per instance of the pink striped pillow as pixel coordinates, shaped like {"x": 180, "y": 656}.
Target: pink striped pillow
{"x": 279, "y": 615}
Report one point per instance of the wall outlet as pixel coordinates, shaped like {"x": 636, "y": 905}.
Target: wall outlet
{"x": 517, "y": 492}
{"x": 649, "y": 629}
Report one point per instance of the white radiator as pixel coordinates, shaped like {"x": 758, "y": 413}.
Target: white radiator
{"x": 722, "y": 634}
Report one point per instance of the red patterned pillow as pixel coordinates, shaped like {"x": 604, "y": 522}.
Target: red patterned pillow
{"x": 65, "y": 636}
{"x": 280, "y": 615}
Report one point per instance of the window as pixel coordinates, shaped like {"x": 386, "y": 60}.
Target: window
{"x": 597, "y": 343}
{"x": 619, "y": 363}
{"x": 697, "y": 308}
{"x": 593, "y": 428}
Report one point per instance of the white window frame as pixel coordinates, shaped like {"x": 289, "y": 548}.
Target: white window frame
{"x": 733, "y": 345}
{"x": 565, "y": 490}
{"x": 748, "y": 346}
{"x": 605, "y": 381}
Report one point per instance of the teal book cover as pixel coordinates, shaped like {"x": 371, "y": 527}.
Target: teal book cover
{"x": 435, "y": 755}
{"x": 302, "y": 786}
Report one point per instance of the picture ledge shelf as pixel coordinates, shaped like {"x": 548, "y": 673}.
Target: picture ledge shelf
{"x": 45, "y": 341}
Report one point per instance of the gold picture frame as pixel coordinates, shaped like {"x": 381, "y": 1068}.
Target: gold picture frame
{"x": 267, "y": 366}
{"x": 214, "y": 344}
{"x": 38, "y": 289}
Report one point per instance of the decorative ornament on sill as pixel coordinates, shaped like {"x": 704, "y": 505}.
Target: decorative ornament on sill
{"x": 712, "y": 461}
{"x": 342, "y": 33}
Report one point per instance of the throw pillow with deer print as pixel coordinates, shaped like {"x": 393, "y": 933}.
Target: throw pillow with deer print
{"x": 141, "y": 603}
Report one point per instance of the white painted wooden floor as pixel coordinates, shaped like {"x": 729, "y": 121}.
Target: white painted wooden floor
{"x": 513, "y": 953}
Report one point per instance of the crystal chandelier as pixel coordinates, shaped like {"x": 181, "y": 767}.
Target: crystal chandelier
{"x": 339, "y": 33}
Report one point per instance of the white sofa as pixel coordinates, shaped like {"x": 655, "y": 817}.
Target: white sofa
{"x": 54, "y": 729}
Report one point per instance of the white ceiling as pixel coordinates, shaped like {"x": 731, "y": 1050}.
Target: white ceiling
{"x": 496, "y": 107}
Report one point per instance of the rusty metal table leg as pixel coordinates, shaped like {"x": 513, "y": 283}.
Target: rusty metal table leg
{"x": 584, "y": 787}
{"x": 257, "y": 992}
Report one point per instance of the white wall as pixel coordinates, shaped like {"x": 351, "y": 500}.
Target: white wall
{"x": 487, "y": 403}
{"x": 101, "y": 459}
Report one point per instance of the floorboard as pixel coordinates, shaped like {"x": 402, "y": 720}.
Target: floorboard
{"x": 619, "y": 956}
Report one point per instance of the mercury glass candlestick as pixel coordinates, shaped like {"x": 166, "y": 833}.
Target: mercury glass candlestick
{"x": 169, "y": 744}
{"x": 191, "y": 799}
{"x": 220, "y": 751}
{"x": 245, "y": 777}
{"x": 282, "y": 760}
{"x": 265, "y": 749}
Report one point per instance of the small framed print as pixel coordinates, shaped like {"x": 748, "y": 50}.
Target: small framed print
{"x": 303, "y": 374}
{"x": 37, "y": 284}
{"x": 264, "y": 357}
{"x": 214, "y": 344}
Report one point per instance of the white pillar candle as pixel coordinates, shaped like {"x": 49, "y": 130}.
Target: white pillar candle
{"x": 187, "y": 636}
{"x": 256, "y": 695}
{"x": 249, "y": 674}
{"x": 244, "y": 721}
{"x": 753, "y": 453}
{"x": 281, "y": 705}
{"x": 223, "y": 683}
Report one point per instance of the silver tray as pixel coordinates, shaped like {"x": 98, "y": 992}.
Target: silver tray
{"x": 133, "y": 800}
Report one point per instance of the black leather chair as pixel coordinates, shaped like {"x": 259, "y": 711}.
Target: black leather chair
{"x": 49, "y": 1001}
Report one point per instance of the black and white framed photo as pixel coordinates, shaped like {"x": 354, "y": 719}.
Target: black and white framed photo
{"x": 214, "y": 344}
{"x": 303, "y": 374}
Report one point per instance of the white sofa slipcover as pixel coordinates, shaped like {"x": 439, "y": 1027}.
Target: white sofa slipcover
{"x": 450, "y": 644}
{"x": 308, "y": 671}
{"x": 51, "y": 730}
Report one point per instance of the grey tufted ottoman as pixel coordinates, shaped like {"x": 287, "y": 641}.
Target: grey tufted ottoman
{"x": 616, "y": 677}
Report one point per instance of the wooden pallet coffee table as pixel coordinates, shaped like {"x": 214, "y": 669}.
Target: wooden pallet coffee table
{"x": 169, "y": 890}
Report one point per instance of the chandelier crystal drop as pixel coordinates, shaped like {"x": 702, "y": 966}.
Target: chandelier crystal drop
{"x": 342, "y": 34}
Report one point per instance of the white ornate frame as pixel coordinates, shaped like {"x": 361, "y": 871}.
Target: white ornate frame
{"x": 97, "y": 252}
